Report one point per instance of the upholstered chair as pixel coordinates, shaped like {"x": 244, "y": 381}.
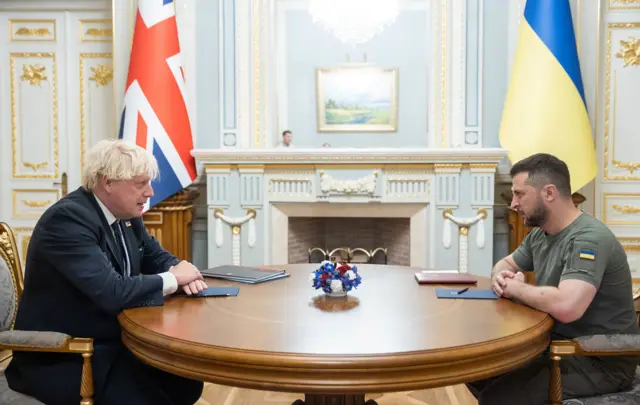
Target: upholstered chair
{"x": 597, "y": 345}
{"x": 11, "y": 286}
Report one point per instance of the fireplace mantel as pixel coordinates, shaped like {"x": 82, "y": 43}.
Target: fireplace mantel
{"x": 448, "y": 194}
{"x": 349, "y": 155}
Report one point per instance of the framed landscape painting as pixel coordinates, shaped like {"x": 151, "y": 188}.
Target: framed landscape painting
{"x": 357, "y": 99}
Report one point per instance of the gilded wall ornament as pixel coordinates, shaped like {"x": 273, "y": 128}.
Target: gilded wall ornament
{"x": 34, "y": 74}
{"x": 630, "y": 52}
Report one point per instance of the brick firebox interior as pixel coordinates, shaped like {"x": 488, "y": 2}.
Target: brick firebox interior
{"x": 367, "y": 233}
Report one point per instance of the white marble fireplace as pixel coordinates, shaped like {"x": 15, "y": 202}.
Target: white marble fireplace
{"x": 416, "y": 215}
{"x": 252, "y": 195}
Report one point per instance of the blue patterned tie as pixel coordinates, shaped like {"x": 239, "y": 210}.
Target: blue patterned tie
{"x": 119, "y": 237}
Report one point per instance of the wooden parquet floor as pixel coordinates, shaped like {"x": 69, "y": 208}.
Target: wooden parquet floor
{"x": 221, "y": 395}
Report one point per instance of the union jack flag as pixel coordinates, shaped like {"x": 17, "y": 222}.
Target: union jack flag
{"x": 155, "y": 113}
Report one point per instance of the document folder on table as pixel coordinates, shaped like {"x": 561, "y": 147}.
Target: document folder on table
{"x": 469, "y": 294}
{"x": 243, "y": 274}
{"x": 214, "y": 292}
{"x": 445, "y": 278}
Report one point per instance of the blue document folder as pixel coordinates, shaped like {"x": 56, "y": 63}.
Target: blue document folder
{"x": 214, "y": 292}
{"x": 469, "y": 294}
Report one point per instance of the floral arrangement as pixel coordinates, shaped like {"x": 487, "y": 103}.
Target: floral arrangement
{"x": 335, "y": 277}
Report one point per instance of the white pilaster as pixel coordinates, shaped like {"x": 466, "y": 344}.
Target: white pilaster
{"x": 243, "y": 72}
{"x": 438, "y": 128}
{"x": 458, "y": 82}
{"x": 186, "y": 19}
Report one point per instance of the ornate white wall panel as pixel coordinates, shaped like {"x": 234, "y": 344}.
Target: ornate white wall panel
{"x": 622, "y": 81}
{"x": 617, "y": 98}
{"x": 32, "y": 203}
{"x": 621, "y": 209}
{"x": 57, "y": 73}
{"x": 34, "y": 113}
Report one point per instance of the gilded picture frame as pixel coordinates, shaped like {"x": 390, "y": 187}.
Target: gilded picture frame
{"x": 359, "y": 98}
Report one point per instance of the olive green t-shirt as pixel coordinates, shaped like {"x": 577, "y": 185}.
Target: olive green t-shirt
{"x": 585, "y": 250}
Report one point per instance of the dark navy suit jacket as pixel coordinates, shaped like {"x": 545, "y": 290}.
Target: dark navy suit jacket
{"x": 74, "y": 284}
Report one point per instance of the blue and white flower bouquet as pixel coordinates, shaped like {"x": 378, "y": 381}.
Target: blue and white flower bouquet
{"x": 335, "y": 279}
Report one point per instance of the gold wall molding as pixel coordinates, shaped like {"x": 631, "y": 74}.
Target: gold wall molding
{"x": 34, "y": 74}
{"x": 626, "y": 209}
{"x": 630, "y": 52}
{"x": 630, "y": 244}
{"x": 101, "y": 75}
{"x": 32, "y": 198}
{"x": 36, "y": 204}
{"x": 624, "y": 4}
{"x": 630, "y": 166}
{"x": 620, "y": 204}
{"x": 610, "y": 108}
{"x": 483, "y": 166}
{"x": 99, "y": 30}
{"x": 30, "y": 76}
{"x": 35, "y": 166}
{"x": 448, "y": 166}
{"x": 32, "y": 30}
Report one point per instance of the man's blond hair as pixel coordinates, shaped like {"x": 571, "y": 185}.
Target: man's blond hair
{"x": 117, "y": 159}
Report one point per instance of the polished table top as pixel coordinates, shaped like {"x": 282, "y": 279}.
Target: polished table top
{"x": 271, "y": 332}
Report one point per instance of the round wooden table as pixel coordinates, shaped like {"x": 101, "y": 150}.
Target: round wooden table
{"x": 389, "y": 335}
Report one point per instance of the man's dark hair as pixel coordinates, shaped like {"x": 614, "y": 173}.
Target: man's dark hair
{"x": 544, "y": 168}
{"x": 286, "y": 132}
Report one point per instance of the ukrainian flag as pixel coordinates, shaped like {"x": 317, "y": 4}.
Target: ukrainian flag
{"x": 545, "y": 109}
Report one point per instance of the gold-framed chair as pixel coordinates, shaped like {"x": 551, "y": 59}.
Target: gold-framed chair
{"x": 11, "y": 287}
{"x": 597, "y": 345}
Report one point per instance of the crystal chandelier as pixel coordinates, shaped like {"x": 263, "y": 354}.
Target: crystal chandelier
{"x": 354, "y": 22}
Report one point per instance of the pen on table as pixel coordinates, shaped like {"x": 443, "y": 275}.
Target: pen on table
{"x": 463, "y": 290}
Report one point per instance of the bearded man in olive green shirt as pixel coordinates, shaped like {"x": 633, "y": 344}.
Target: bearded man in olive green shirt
{"x": 583, "y": 281}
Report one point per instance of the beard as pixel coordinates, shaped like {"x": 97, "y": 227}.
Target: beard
{"x": 537, "y": 217}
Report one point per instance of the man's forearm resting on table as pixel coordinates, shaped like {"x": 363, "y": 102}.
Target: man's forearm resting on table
{"x": 552, "y": 300}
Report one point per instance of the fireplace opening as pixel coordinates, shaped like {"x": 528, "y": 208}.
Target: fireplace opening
{"x": 357, "y": 240}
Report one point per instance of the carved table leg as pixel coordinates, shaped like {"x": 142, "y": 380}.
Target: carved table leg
{"x": 315, "y": 399}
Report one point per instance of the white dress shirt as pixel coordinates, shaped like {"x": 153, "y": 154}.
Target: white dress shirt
{"x": 169, "y": 282}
